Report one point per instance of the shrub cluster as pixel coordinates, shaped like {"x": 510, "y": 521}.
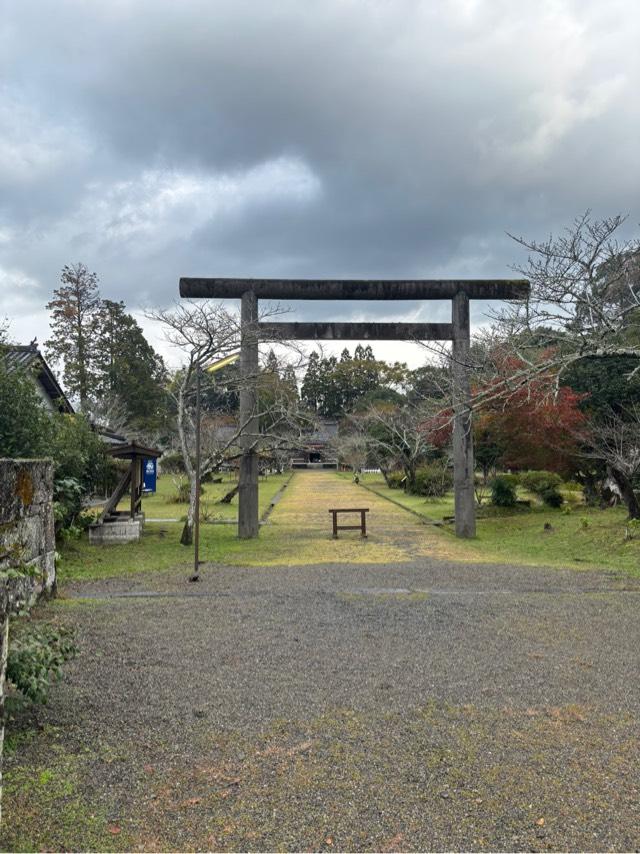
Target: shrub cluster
{"x": 395, "y": 479}
{"x": 503, "y": 490}
{"x": 35, "y": 658}
{"x": 433, "y": 480}
{"x": 172, "y": 463}
{"x": 183, "y": 492}
{"x": 544, "y": 484}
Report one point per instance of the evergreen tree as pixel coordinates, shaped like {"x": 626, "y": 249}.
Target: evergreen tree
{"x": 311, "y": 383}
{"x": 127, "y": 367}
{"x": 608, "y": 383}
{"x": 26, "y": 428}
{"x": 74, "y": 316}
{"x": 221, "y": 391}
{"x": 289, "y": 379}
{"x": 330, "y": 397}
{"x": 272, "y": 366}
{"x": 366, "y": 371}
{"x": 347, "y": 391}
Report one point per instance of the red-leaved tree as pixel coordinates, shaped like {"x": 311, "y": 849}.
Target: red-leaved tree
{"x": 536, "y": 427}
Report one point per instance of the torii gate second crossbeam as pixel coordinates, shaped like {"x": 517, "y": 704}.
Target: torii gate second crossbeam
{"x": 459, "y": 291}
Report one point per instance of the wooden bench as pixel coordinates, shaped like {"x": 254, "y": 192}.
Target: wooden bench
{"x": 362, "y": 527}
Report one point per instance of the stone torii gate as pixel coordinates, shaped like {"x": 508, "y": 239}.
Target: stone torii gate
{"x": 459, "y": 291}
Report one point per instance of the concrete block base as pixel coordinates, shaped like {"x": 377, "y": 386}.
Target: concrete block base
{"x": 119, "y": 531}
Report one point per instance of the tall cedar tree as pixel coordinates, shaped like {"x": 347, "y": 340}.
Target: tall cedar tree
{"x": 331, "y": 387}
{"x": 127, "y": 366}
{"x": 311, "y": 383}
{"x": 74, "y": 317}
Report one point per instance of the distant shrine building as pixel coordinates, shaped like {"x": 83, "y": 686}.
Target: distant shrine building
{"x": 316, "y": 449}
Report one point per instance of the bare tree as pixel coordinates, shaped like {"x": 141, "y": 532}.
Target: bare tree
{"x": 351, "y": 448}
{"x": 615, "y": 441}
{"x": 584, "y": 302}
{"x": 402, "y": 436}
{"x": 206, "y": 332}
{"x": 109, "y": 411}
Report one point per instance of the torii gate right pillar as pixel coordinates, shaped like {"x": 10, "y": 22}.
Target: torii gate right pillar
{"x": 463, "y": 461}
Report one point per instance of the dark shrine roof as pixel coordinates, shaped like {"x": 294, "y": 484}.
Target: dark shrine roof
{"x": 25, "y": 356}
{"x": 132, "y": 451}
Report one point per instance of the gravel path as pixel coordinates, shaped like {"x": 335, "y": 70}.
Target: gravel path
{"x": 417, "y": 705}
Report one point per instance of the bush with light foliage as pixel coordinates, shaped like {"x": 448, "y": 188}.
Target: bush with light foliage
{"x": 544, "y": 484}
{"x": 36, "y": 655}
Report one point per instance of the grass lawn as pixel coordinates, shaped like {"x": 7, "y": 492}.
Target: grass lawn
{"x": 161, "y": 505}
{"x": 582, "y": 537}
{"x": 160, "y": 546}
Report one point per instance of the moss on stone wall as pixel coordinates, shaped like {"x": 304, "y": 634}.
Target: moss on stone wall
{"x": 24, "y": 486}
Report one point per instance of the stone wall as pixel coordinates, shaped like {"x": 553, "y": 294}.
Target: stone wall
{"x": 27, "y": 536}
{"x": 27, "y": 540}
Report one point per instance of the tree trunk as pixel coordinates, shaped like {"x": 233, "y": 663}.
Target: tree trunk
{"x": 186, "y": 539}
{"x": 590, "y": 489}
{"x": 628, "y": 495}
{"x": 385, "y": 475}
{"x": 226, "y": 499}
{"x": 187, "y": 532}
{"x": 410, "y": 477}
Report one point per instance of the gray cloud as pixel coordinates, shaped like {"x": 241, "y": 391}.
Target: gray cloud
{"x": 154, "y": 139}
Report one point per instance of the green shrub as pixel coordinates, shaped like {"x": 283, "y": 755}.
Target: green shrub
{"x": 433, "y": 480}
{"x": 632, "y": 529}
{"x": 26, "y": 428}
{"x": 537, "y": 481}
{"x": 36, "y": 655}
{"x": 172, "y": 463}
{"x": 552, "y": 498}
{"x": 503, "y": 490}
{"x": 68, "y": 493}
{"x": 182, "y": 494}
{"x": 81, "y": 467}
{"x": 395, "y": 479}
{"x": 544, "y": 484}
{"x": 78, "y": 452}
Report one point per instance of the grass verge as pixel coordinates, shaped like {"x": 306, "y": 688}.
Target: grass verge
{"x": 579, "y": 536}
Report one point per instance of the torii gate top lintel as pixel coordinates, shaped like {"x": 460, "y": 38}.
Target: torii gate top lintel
{"x": 355, "y": 289}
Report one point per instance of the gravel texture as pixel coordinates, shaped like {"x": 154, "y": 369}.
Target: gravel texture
{"x": 417, "y": 706}
{"x": 426, "y": 706}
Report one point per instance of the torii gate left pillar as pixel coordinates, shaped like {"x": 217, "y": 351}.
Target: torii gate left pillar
{"x": 459, "y": 291}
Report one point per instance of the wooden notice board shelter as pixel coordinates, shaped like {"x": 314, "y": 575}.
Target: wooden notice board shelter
{"x": 458, "y": 291}
{"x": 132, "y": 479}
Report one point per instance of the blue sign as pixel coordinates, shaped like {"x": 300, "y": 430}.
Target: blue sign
{"x": 149, "y": 472}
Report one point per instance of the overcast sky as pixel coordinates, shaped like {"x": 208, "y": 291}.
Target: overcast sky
{"x": 151, "y": 139}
